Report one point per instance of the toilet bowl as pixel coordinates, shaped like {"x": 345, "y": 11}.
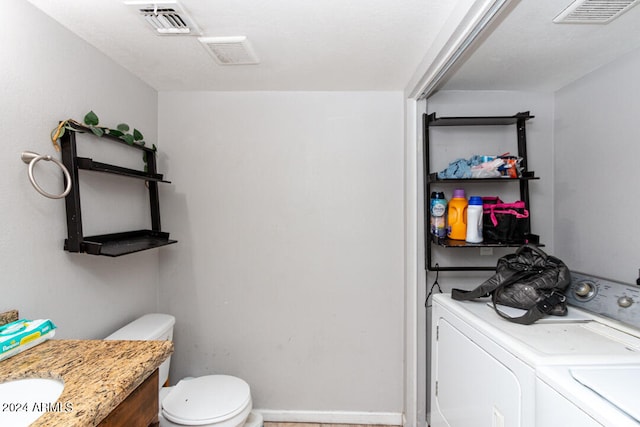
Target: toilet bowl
{"x": 209, "y": 401}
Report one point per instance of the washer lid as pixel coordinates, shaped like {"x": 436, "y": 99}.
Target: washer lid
{"x": 617, "y": 384}
{"x": 206, "y": 400}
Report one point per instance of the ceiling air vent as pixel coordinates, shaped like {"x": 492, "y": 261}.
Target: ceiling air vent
{"x": 230, "y": 50}
{"x": 166, "y": 17}
{"x": 594, "y": 11}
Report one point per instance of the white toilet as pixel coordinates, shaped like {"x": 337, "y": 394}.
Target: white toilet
{"x": 210, "y": 400}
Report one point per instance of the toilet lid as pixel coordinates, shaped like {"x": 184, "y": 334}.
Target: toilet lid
{"x": 206, "y": 400}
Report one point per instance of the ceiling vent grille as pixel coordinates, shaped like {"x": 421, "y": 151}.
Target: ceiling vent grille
{"x": 594, "y": 11}
{"x": 230, "y": 50}
{"x": 166, "y": 17}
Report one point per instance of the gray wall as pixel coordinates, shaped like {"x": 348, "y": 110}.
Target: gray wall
{"x": 48, "y": 75}
{"x": 289, "y": 271}
{"x": 288, "y": 208}
{"x": 596, "y": 161}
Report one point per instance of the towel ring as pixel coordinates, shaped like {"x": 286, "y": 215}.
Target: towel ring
{"x": 31, "y": 158}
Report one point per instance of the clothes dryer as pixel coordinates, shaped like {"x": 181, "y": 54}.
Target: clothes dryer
{"x": 487, "y": 371}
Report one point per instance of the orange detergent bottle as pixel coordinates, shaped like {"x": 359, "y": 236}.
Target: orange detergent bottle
{"x": 457, "y": 215}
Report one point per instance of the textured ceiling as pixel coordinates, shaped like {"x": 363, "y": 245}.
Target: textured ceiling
{"x": 527, "y": 51}
{"x": 347, "y": 44}
{"x": 302, "y": 44}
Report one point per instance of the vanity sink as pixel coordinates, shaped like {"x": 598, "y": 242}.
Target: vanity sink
{"x": 104, "y": 383}
{"x": 23, "y": 401}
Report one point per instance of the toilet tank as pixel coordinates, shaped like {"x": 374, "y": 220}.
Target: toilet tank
{"x": 150, "y": 327}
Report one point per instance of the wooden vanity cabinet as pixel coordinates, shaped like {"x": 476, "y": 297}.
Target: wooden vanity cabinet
{"x": 139, "y": 409}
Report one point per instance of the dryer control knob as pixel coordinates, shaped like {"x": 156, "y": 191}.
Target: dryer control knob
{"x": 625, "y": 301}
{"x": 584, "y": 289}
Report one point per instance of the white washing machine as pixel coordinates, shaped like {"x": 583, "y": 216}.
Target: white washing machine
{"x": 580, "y": 370}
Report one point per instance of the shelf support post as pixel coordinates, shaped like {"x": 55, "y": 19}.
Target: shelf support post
{"x": 73, "y": 242}
{"x": 427, "y": 189}
{"x": 154, "y": 198}
{"x": 522, "y": 153}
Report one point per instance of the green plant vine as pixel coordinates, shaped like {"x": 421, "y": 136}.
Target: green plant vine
{"x": 91, "y": 121}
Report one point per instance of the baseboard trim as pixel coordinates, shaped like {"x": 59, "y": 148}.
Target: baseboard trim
{"x": 332, "y": 417}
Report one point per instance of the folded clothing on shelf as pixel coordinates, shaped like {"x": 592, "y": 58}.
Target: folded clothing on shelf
{"x": 477, "y": 166}
{"x": 460, "y": 168}
{"x": 23, "y": 334}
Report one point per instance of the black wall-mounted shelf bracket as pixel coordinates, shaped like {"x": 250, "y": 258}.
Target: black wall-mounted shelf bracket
{"x": 115, "y": 244}
{"x": 430, "y": 178}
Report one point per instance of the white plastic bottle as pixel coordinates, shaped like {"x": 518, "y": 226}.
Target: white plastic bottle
{"x": 474, "y": 220}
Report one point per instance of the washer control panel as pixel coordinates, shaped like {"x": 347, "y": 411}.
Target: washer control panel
{"x": 616, "y": 300}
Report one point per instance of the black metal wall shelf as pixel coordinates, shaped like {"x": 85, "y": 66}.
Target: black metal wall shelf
{"x": 431, "y": 120}
{"x": 433, "y": 177}
{"x": 89, "y": 164}
{"x": 450, "y": 243}
{"x": 478, "y": 120}
{"x": 115, "y": 244}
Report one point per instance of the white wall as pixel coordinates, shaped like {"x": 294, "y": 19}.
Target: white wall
{"x": 288, "y": 208}
{"x": 414, "y": 374}
{"x": 596, "y": 155}
{"x": 289, "y": 271}
{"x": 48, "y": 75}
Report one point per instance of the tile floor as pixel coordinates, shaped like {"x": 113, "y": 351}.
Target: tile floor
{"x": 276, "y": 424}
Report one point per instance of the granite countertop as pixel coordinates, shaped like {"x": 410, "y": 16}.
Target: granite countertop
{"x": 98, "y": 374}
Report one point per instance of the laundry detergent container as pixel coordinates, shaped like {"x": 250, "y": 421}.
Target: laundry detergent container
{"x": 210, "y": 400}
